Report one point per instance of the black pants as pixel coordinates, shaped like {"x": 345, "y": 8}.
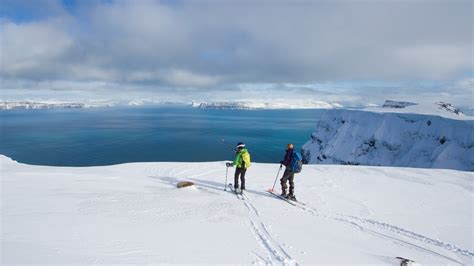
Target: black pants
{"x": 288, "y": 176}
{"x": 239, "y": 172}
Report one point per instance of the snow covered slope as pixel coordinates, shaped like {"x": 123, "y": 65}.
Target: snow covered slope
{"x": 133, "y": 213}
{"x": 432, "y": 136}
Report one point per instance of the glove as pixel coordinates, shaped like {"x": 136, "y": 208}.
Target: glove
{"x": 229, "y": 164}
{"x": 281, "y": 165}
{"x": 281, "y": 162}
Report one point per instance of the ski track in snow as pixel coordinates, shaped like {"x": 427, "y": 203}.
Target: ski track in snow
{"x": 413, "y": 235}
{"x": 275, "y": 252}
{"x": 357, "y": 222}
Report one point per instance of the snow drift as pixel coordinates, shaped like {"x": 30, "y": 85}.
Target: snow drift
{"x": 405, "y": 134}
{"x": 134, "y": 213}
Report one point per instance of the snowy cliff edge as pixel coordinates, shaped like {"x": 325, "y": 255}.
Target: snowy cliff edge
{"x": 406, "y": 134}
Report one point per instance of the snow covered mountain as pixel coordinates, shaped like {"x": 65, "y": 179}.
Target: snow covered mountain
{"x": 397, "y": 134}
{"x": 53, "y": 104}
{"x": 39, "y": 105}
{"x": 134, "y": 213}
{"x": 266, "y": 105}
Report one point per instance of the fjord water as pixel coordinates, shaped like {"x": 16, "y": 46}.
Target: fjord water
{"x": 105, "y": 136}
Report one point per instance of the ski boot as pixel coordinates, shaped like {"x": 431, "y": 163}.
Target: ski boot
{"x": 291, "y": 197}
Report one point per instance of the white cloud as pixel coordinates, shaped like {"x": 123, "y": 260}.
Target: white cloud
{"x": 437, "y": 61}
{"x": 34, "y": 47}
{"x": 184, "y": 78}
{"x": 173, "y": 77}
{"x": 466, "y": 84}
{"x": 263, "y": 49}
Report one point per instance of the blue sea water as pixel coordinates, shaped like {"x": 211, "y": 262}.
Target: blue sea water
{"x": 105, "y": 136}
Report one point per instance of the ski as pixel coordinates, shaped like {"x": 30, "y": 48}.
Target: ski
{"x": 239, "y": 195}
{"x": 240, "y": 192}
{"x": 404, "y": 261}
{"x": 282, "y": 198}
{"x": 292, "y": 202}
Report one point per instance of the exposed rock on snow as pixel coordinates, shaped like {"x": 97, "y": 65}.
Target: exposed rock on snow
{"x": 376, "y": 136}
{"x": 448, "y": 107}
{"x": 394, "y": 104}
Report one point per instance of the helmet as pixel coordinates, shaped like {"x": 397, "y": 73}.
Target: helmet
{"x": 240, "y": 145}
{"x": 289, "y": 146}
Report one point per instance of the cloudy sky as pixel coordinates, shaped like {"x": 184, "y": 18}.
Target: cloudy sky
{"x": 349, "y": 51}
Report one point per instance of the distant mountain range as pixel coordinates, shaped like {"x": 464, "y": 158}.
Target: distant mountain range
{"x": 39, "y": 105}
{"x": 267, "y": 105}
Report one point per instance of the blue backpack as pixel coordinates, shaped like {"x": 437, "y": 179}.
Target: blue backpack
{"x": 296, "y": 163}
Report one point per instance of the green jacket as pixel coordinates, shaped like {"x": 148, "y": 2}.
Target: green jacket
{"x": 242, "y": 159}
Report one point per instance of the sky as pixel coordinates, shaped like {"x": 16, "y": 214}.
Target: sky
{"x": 352, "y": 52}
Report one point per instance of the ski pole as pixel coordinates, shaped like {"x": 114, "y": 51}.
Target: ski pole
{"x": 271, "y": 190}
{"x": 226, "y": 171}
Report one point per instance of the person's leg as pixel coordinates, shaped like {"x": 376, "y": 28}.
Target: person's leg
{"x": 242, "y": 178}
{"x": 236, "y": 178}
{"x": 291, "y": 178}
{"x": 283, "y": 181}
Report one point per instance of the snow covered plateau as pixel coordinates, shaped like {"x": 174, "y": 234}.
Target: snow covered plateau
{"x": 134, "y": 213}
{"x": 397, "y": 134}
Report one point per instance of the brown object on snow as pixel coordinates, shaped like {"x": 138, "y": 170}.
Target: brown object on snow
{"x": 184, "y": 184}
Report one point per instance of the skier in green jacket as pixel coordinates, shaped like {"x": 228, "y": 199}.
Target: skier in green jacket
{"x": 241, "y": 163}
